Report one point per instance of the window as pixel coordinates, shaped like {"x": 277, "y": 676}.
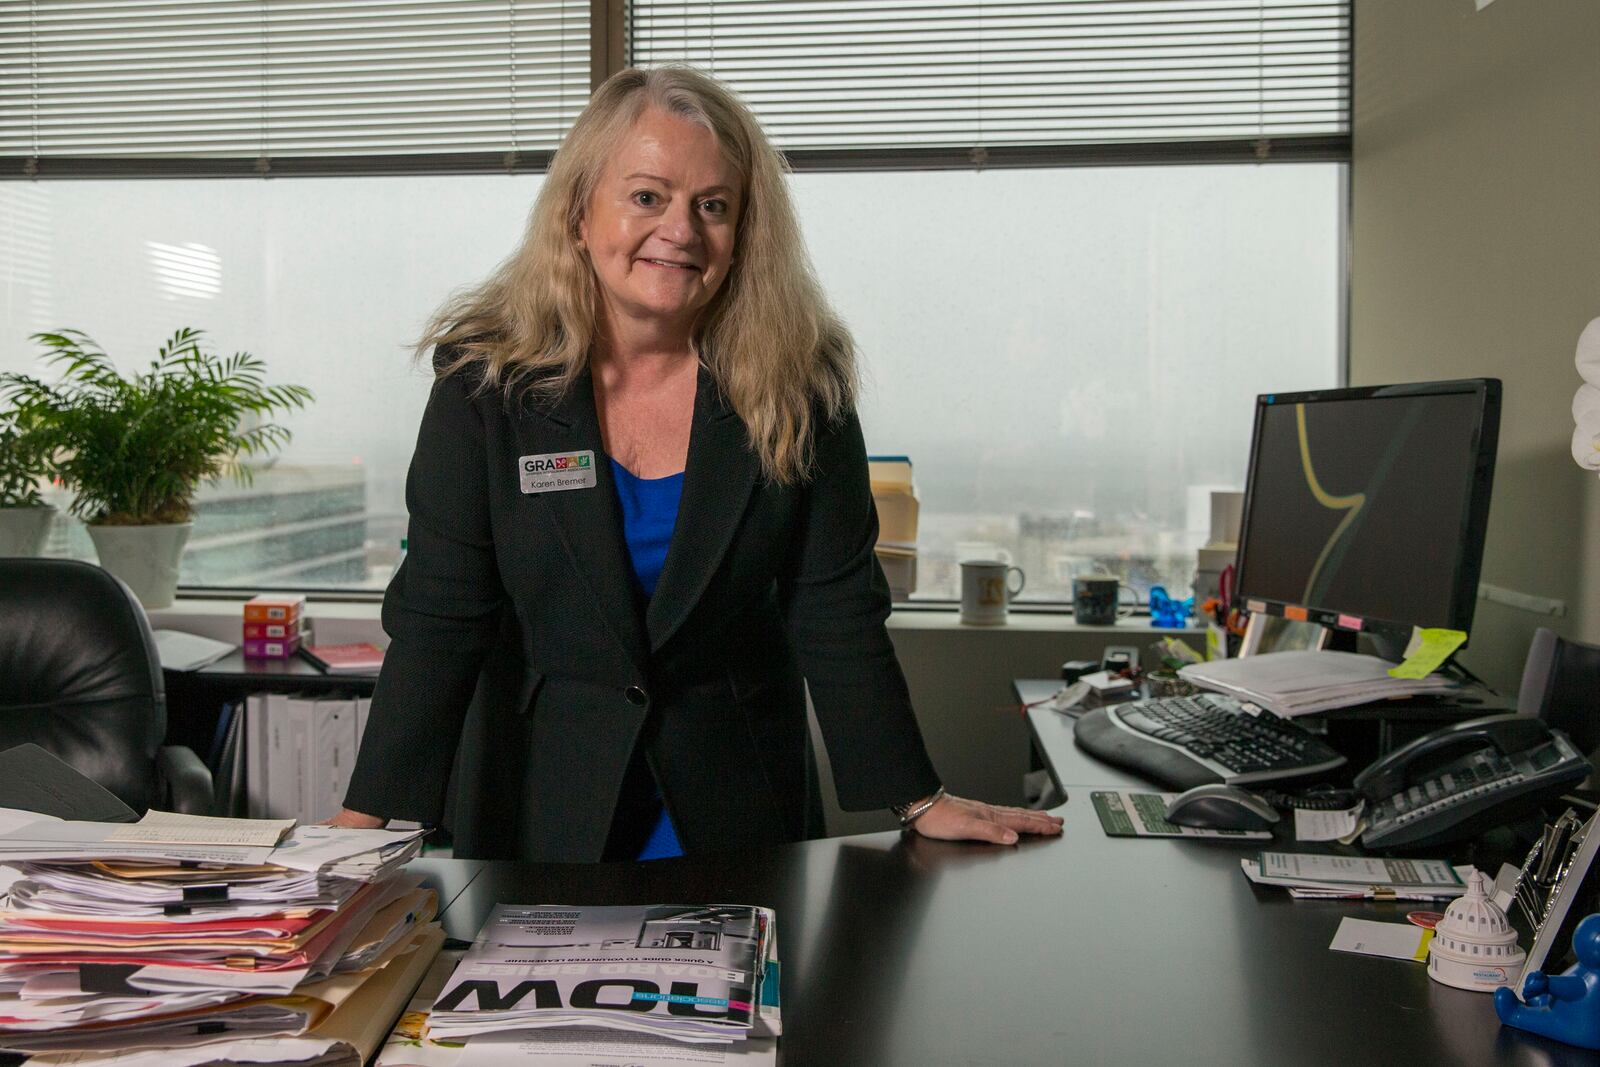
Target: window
{"x": 1090, "y": 332}
{"x": 242, "y": 87}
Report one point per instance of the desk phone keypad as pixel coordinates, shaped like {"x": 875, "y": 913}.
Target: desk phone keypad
{"x": 1482, "y": 776}
{"x": 1485, "y": 788}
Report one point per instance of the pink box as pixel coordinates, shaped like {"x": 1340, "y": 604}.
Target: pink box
{"x": 268, "y": 649}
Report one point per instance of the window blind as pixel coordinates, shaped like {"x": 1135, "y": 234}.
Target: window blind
{"x": 898, "y": 75}
{"x": 269, "y": 85}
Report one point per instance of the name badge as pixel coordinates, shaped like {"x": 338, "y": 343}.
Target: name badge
{"x": 555, "y": 471}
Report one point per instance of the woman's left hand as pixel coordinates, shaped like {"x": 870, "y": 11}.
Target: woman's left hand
{"x": 958, "y": 819}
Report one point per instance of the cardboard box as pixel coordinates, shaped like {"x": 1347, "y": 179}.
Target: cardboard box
{"x": 272, "y": 649}
{"x": 274, "y": 607}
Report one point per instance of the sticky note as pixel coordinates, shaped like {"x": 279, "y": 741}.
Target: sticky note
{"x": 1350, "y": 622}
{"x": 1397, "y": 941}
{"x": 1259, "y": 607}
{"x": 1297, "y": 614}
{"x": 1428, "y": 650}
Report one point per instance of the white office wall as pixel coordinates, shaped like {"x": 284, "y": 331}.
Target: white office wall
{"x": 1476, "y": 251}
{"x": 1063, "y": 351}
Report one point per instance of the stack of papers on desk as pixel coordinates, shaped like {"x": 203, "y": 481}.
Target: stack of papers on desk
{"x": 1314, "y": 876}
{"x": 1304, "y": 683}
{"x": 688, "y": 973}
{"x": 185, "y": 933}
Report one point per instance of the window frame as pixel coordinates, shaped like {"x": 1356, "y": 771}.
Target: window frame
{"x": 609, "y": 53}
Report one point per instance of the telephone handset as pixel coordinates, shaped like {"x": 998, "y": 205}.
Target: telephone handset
{"x": 1467, "y": 777}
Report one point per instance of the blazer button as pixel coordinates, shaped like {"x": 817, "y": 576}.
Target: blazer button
{"x": 636, "y": 696}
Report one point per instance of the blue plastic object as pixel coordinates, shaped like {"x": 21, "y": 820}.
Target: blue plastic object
{"x": 1168, "y": 613}
{"x": 1564, "y": 1006}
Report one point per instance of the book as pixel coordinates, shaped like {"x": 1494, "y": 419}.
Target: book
{"x": 359, "y": 658}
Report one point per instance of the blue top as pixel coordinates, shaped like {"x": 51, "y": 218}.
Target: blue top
{"x": 649, "y": 512}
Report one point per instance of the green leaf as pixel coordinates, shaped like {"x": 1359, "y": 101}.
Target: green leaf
{"x": 134, "y": 449}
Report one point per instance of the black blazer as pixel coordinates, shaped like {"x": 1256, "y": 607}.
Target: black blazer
{"x": 525, "y": 608}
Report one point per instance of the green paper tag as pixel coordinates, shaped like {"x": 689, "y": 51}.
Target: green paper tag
{"x": 1427, "y": 652}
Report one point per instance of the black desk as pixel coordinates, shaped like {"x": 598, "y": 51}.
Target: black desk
{"x": 233, "y": 674}
{"x": 1087, "y": 950}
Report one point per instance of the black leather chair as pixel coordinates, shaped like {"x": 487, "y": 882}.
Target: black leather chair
{"x": 79, "y": 677}
{"x": 1561, "y": 685}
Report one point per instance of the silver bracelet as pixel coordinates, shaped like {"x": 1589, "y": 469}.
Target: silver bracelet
{"x": 910, "y": 813}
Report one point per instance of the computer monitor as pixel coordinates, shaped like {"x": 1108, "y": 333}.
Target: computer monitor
{"x": 1365, "y": 508}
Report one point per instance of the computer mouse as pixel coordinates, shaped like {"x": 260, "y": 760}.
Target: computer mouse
{"x": 1221, "y": 807}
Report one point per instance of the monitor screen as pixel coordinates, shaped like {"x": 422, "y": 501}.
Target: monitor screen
{"x": 1365, "y": 508}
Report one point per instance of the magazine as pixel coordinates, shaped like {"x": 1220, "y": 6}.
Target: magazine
{"x": 689, "y": 972}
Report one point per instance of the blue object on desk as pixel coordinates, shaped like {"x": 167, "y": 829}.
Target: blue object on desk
{"x": 1166, "y": 612}
{"x": 1563, "y": 1006}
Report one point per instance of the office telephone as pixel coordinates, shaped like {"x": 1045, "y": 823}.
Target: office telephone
{"x": 1465, "y": 778}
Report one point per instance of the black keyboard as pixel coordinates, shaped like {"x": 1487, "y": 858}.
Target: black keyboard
{"x": 1183, "y": 742}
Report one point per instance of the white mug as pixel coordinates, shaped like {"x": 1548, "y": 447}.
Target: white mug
{"x": 986, "y": 590}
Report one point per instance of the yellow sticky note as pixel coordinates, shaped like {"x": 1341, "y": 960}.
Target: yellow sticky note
{"x": 1428, "y": 650}
{"x": 1422, "y": 949}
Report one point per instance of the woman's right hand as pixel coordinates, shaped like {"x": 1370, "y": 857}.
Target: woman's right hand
{"x": 355, "y": 820}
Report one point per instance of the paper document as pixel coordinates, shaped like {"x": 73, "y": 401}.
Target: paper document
{"x": 1067, "y": 700}
{"x": 1359, "y": 870}
{"x": 1303, "y": 682}
{"x": 1397, "y": 941}
{"x": 179, "y": 651}
{"x": 1310, "y": 825}
{"x": 172, "y": 828}
{"x": 1124, "y": 813}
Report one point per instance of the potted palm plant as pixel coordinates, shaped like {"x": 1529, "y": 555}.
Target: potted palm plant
{"x": 134, "y": 449}
{"x": 24, "y": 516}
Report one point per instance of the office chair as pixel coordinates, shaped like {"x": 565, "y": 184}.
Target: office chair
{"x": 1561, "y": 685}
{"x": 79, "y": 677}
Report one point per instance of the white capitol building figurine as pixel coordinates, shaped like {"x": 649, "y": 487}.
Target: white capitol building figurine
{"x": 1474, "y": 947}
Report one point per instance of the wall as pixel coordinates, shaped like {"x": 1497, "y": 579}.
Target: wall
{"x": 1475, "y": 229}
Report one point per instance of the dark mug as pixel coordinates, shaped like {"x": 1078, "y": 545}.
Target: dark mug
{"x": 1096, "y": 600}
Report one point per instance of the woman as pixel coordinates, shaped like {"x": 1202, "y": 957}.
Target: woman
{"x": 640, "y": 516}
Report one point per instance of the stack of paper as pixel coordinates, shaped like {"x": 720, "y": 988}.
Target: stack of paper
{"x": 1309, "y": 876}
{"x": 1303, "y": 683}
{"x": 181, "y": 932}
{"x": 690, "y": 973}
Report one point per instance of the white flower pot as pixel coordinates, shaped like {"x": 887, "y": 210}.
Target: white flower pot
{"x": 146, "y": 557}
{"x": 23, "y": 531}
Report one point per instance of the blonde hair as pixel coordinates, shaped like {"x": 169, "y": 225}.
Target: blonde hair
{"x": 775, "y": 349}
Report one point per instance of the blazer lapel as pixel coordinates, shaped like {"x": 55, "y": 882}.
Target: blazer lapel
{"x": 717, "y": 481}
{"x": 589, "y": 520}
